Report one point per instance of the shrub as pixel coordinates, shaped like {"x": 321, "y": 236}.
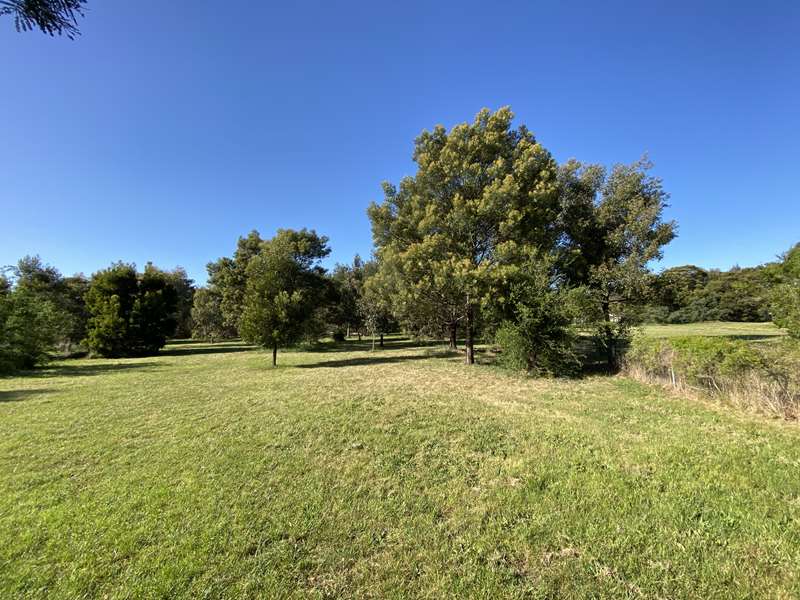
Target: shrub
{"x": 763, "y": 377}
{"x": 131, "y": 314}
{"x": 338, "y": 336}
{"x": 786, "y": 296}
{"x": 537, "y": 336}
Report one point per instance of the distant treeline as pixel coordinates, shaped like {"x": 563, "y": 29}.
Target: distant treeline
{"x": 690, "y": 294}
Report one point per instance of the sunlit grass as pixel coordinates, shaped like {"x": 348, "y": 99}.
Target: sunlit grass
{"x": 204, "y": 472}
{"x": 754, "y": 331}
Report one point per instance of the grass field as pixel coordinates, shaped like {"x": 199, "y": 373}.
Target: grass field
{"x": 204, "y": 472}
{"x": 744, "y": 331}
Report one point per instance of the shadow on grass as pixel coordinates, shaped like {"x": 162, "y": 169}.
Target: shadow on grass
{"x": 366, "y": 344}
{"x": 754, "y": 337}
{"x": 20, "y": 395}
{"x": 89, "y": 369}
{"x": 209, "y": 349}
{"x": 362, "y": 361}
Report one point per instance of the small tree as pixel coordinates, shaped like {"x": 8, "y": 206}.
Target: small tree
{"x": 29, "y": 327}
{"x": 344, "y": 312}
{"x": 284, "y": 286}
{"x": 374, "y": 304}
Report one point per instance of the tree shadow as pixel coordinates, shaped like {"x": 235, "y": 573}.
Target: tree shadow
{"x": 362, "y": 361}
{"x": 366, "y": 344}
{"x": 87, "y": 369}
{"x": 754, "y": 337}
{"x": 20, "y": 395}
{"x": 211, "y": 349}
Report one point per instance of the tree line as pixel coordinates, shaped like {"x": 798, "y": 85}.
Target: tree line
{"x": 490, "y": 239}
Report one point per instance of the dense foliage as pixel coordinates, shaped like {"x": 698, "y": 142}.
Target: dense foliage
{"x": 29, "y": 328}
{"x": 612, "y": 229}
{"x": 536, "y": 332}
{"x": 786, "y": 295}
{"x": 484, "y": 195}
{"x": 284, "y": 284}
{"x": 132, "y": 314}
{"x": 689, "y": 294}
{"x": 207, "y": 320}
{"x": 764, "y": 377}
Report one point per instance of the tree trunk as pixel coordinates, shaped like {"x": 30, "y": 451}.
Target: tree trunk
{"x": 469, "y": 357}
{"x": 348, "y": 330}
{"x": 453, "y": 336}
{"x": 358, "y": 333}
{"x": 274, "y": 355}
{"x": 381, "y": 340}
{"x": 609, "y": 342}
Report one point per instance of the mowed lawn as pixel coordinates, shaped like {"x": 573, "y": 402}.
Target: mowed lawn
{"x": 743, "y": 331}
{"x": 204, "y": 472}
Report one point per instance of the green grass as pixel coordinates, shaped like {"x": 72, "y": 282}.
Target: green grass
{"x": 746, "y": 331}
{"x": 204, "y": 472}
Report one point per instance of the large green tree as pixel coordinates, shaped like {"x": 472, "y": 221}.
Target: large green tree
{"x": 64, "y": 295}
{"x": 29, "y": 327}
{"x": 284, "y": 287}
{"x": 613, "y": 228}
{"x": 132, "y": 314}
{"x": 484, "y": 194}
{"x": 228, "y": 278}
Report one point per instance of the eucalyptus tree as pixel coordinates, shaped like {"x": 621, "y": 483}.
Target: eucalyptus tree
{"x": 484, "y": 194}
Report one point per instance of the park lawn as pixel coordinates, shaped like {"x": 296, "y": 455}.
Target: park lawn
{"x": 744, "y": 331}
{"x": 204, "y": 472}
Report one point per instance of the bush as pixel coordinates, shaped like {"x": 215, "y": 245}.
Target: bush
{"x": 538, "y": 337}
{"x": 786, "y": 308}
{"x": 338, "y": 336}
{"x": 131, "y": 314}
{"x": 763, "y": 377}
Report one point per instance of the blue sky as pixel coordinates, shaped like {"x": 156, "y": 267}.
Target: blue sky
{"x": 170, "y": 128}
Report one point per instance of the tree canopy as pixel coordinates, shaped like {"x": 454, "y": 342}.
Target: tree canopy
{"x": 284, "y": 284}
{"x": 483, "y": 195}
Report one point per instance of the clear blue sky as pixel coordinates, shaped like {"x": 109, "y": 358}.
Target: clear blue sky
{"x": 170, "y": 128}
